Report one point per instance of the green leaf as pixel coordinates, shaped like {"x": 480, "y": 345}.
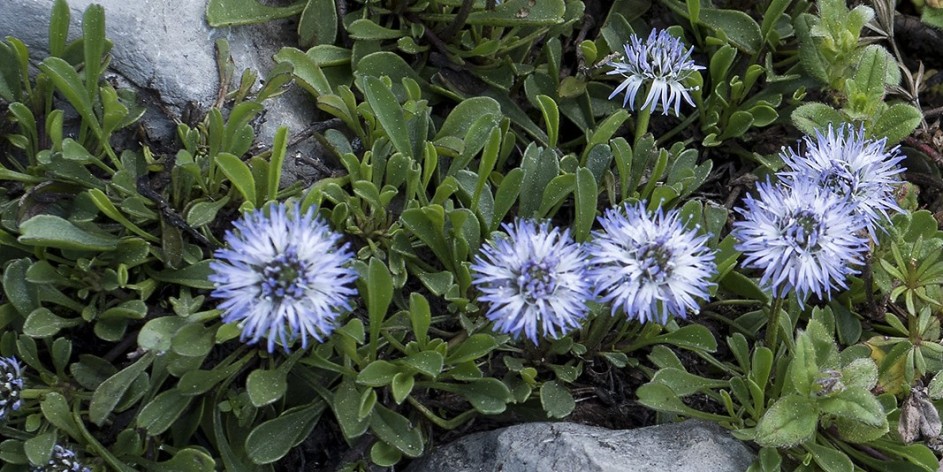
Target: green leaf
{"x": 401, "y": 386}
{"x": 855, "y": 404}
{"x": 239, "y": 174}
{"x": 896, "y": 123}
{"x": 477, "y": 345}
{"x": 520, "y": 13}
{"x": 188, "y": 460}
{"x": 246, "y": 12}
{"x": 586, "y": 199}
{"x": 661, "y": 398}
{"x": 379, "y": 287}
{"x": 790, "y": 421}
{"x": 93, "y": 43}
{"x": 59, "y": 28}
{"x": 162, "y": 412}
{"x": 377, "y": 373}
{"x": 426, "y": 362}
{"x": 556, "y": 400}
{"x": 684, "y": 383}
{"x": 829, "y": 458}
{"x": 266, "y": 386}
{"x": 812, "y": 117}
{"x": 108, "y": 208}
{"x": 347, "y": 400}
{"x": 53, "y": 231}
{"x": 307, "y": 71}
{"x": 39, "y": 448}
{"x": 57, "y": 411}
{"x": 20, "y": 292}
{"x": 109, "y": 393}
{"x": 694, "y": 337}
{"x": 388, "y": 112}
{"x": 194, "y": 275}
{"x": 420, "y": 317}
{"x": 279, "y": 148}
{"x": 366, "y": 30}
{"x": 397, "y": 431}
{"x": 318, "y": 23}
{"x": 548, "y": 107}
{"x": 738, "y": 27}
{"x": 540, "y": 166}
{"x": 271, "y": 440}
{"x": 43, "y": 323}
{"x": 67, "y": 81}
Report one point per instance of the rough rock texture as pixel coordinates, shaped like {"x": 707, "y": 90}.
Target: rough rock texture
{"x": 165, "y": 49}
{"x": 690, "y": 446}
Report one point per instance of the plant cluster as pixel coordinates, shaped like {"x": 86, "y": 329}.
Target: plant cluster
{"x": 512, "y": 233}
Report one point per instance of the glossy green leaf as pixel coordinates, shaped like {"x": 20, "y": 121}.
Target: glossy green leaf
{"x": 53, "y": 231}
{"x": 110, "y": 392}
{"x": 586, "y": 200}
{"x": 790, "y": 421}
{"x": 318, "y": 23}
{"x": 556, "y": 400}
{"x": 397, "y": 431}
{"x": 162, "y": 412}
{"x": 266, "y": 386}
{"x": 245, "y": 12}
{"x": 388, "y": 112}
{"x": 271, "y": 440}
{"x": 239, "y": 174}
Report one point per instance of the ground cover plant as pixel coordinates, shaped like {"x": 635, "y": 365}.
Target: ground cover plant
{"x": 620, "y": 213}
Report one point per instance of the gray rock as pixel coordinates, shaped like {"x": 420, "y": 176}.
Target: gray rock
{"x": 690, "y": 446}
{"x": 166, "y": 50}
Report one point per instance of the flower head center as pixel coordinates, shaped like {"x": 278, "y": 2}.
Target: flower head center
{"x": 803, "y": 229}
{"x": 840, "y": 179}
{"x": 536, "y": 280}
{"x": 655, "y": 261}
{"x": 284, "y": 277}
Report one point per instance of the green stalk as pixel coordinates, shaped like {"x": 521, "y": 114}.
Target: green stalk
{"x": 772, "y": 326}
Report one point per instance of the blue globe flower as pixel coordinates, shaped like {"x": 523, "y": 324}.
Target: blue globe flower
{"x": 533, "y": 280}
{"x": 62, "y": 460}
{"x": 803, "y": 237}
{"x": 284, "y": 276}
{"x": 854, "y": 167}
{"x": 649, "y": 266}
{"x": 11, "y": 384}
{"x": 661, "y": 61}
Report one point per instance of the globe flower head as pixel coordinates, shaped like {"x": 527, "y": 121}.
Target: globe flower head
{"x": 62, "y": 460}
{"x": 663, "y": 62}
{"x": 284, "y": 276}
{"x": 649, "y": 265}
{"x": 803, "y": 237}
{"x": 859, "y": 169}
{"x": 11, "y": 384}
{"x": 533, "y": 280}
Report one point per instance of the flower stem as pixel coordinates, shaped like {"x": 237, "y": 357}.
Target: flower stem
{"x": 772, "y": 326}
{"x": 641, "y": 124}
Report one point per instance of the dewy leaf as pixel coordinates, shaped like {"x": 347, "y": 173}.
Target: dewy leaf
{"x": 318, "y": 23}
{"x": 586, "y": 200}
{"x": 388, "y": 112}
{"x": 161, "y": 412}
{"x": 265, "y": 386}
{"x": 556, "y": 400}
{"x": 737, "y": 26}
{"x": 896, "y": 123}
{"x": 246, "y": 12}
{"x": 521, "y": 13}
{"x": 53, "y": 231}
{"x": 67, "y": 81}
{"x": 790, "y": 421}
{"x": 239, "y": 174}
{"x": 109, "y": 393}
{"x": 395, "y": 430}
{"x": 21, "y": 293}
{"x": 855, "y": 404}
{"x": 271, "y": 440}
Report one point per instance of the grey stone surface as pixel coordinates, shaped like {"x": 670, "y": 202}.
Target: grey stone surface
{"x": 166, "y": 50}
{"x": 690, "y": 446}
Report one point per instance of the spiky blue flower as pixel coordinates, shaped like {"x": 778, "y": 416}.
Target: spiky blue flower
{"x": 649, "y": 266}
{"x": 533, "y": 279}
{"x": 284, "y": 276}
{"x": 843, "y": 160}
{"x": 662, "y": 62}
{"x": 11, "y": 384}
{"x": 803, "y": 237}
{"x": 62, "y": 460}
